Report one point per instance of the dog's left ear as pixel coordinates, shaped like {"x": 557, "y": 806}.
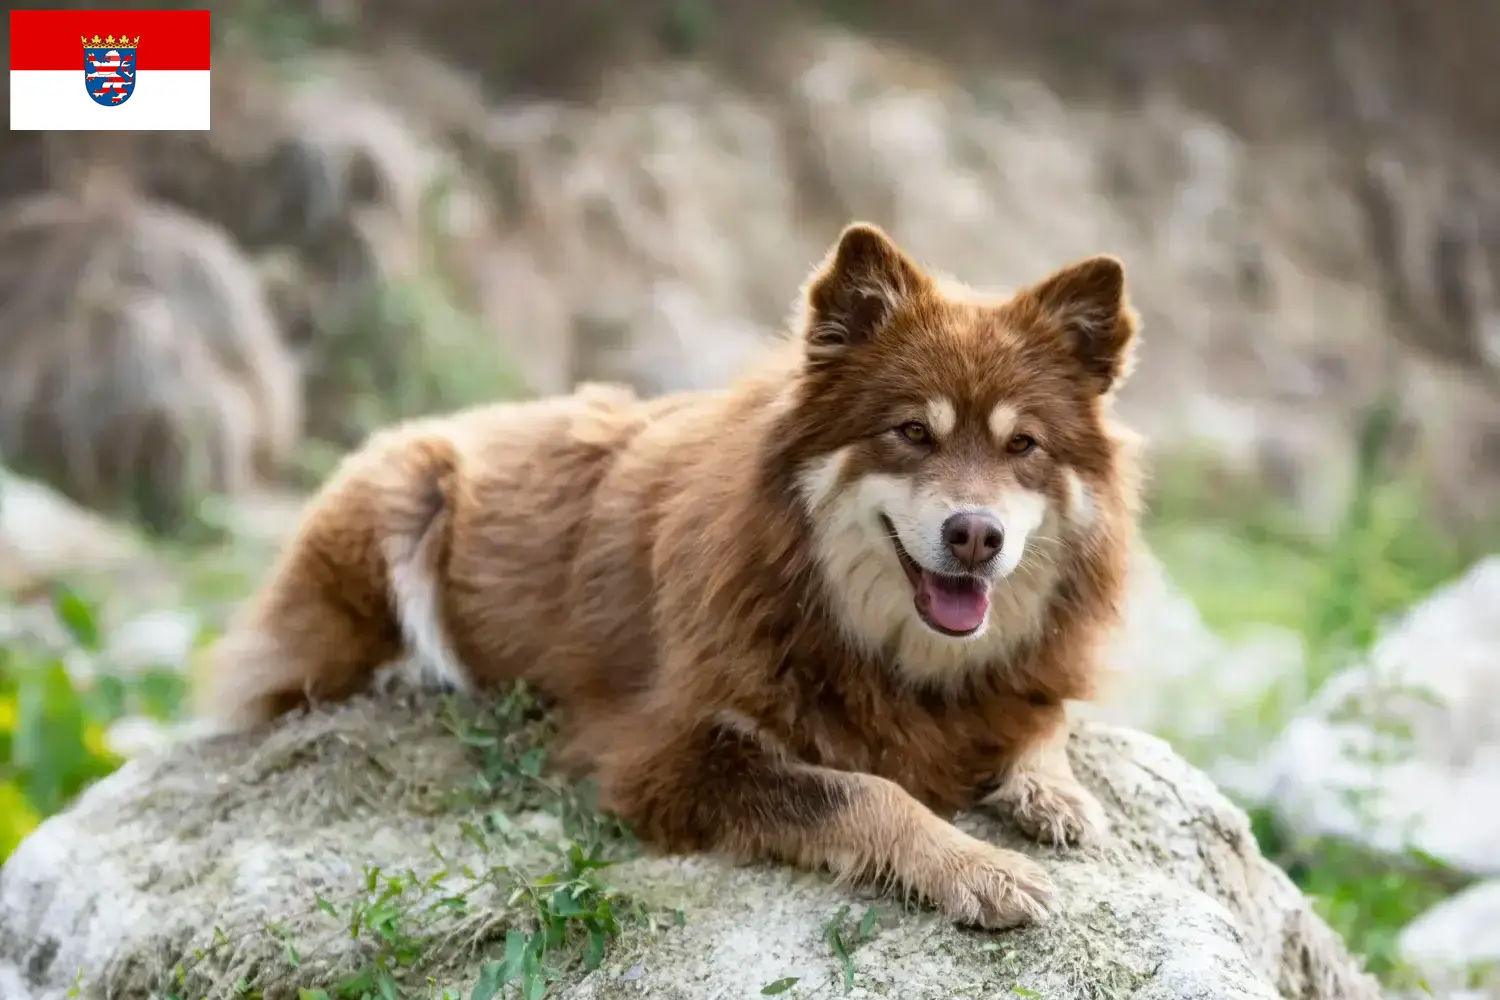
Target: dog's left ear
{"x": 850, "y": 299}
{"x": 1088, "y": 302}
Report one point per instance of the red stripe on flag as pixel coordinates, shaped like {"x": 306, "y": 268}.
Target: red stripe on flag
{"x": 49, "y": 39}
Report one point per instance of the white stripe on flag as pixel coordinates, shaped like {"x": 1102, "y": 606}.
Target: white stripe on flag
{"x": 163, "y": 101}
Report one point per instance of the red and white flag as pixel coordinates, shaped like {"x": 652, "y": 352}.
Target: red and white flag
{"x": 142, "y": 70}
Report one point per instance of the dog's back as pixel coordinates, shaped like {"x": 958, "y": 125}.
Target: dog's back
{"x": 373, "y": 572}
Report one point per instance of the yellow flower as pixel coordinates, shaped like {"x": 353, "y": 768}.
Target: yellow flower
{"x": 17, "y": 818}
{"x": 7, "y": 714}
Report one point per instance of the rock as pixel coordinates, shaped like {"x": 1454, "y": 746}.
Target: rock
{"x": 141, "y": 368}
{"x": 46, "y": 539}
{"x": 1404, "y": 750}
{"x": 134, "y": 735}
{"x": 1433, "y": 220}
{"x": 227, "y": 845}
{"x": 44, "y": 535}
{"x": 157, "y": 640}
{"x": 379, "y": 246}
{"x": 1458, "y": 941}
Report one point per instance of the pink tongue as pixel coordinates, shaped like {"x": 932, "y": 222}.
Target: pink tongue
{"x": 956, "y": 605}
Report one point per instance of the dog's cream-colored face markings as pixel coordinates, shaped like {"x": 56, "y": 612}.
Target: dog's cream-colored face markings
{"x": 918, "y": 515}
{"x": 1023, "y": 512}
{"x": 942, "y": 417}
{"x": 1080, "y": 509}
{"x": 1003, "y": 423}
{"x": 870, "y": 588}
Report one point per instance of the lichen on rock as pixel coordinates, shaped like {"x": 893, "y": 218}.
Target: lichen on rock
{"x": 245, "y": 859}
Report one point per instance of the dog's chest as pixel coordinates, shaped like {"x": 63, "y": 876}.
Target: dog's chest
{"x": 941, "y": 753}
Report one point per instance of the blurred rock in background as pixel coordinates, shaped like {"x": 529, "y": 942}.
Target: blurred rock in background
{"x": 1309, "y": 226}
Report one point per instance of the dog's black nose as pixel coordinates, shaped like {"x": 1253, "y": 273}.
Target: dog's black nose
{"x": 973, "y": 538}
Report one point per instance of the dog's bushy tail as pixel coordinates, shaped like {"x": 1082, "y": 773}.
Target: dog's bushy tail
{"x": 368, "y": 553}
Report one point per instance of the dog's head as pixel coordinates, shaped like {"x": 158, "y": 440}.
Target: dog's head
{"x": 951, "y": 447}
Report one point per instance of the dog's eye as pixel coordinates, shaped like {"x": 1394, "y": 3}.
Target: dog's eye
{"x": 1020, "y": 444}
{"x": 915, "y": 431}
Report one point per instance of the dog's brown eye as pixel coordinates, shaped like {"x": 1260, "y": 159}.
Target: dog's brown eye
{"x": 915, "y": 432}
{"x": 1020, "y": 444}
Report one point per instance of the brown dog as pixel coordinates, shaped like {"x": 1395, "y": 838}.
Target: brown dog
{"x": 806, "y": 618}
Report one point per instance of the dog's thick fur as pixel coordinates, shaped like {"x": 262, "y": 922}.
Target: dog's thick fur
{"x": 747, "y": 604}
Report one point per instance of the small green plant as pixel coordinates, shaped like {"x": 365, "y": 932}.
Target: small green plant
{"x": 573, "y": 914}
{"x": 843, "y": 941}
{"x": 571, "y": 905}
{"x": 779, "y": 986}
{"x": 1246, "y": 559}
{"x": 53, "y": 719}
{"x": 510, "y": 736}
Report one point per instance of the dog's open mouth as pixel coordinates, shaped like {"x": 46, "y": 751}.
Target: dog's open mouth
{"x": 952, "y": 605}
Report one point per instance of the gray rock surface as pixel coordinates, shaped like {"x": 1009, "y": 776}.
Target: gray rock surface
{"x": 143, "y": 368}
{"x": 1404, "y": 750}
{"x": 43, "y": 534}
{"x": 212, "y": 855}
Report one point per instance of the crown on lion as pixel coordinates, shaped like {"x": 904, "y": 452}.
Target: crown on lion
{"x": 110, "y": 42}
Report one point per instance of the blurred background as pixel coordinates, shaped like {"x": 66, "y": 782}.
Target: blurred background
{"x": 407, "y": 207}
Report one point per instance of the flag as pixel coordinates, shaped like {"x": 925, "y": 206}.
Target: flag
{"x": 120, "y": 70}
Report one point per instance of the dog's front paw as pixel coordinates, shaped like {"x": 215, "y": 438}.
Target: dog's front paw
{"x": 1051, "y": 809}
{"x": 980, "y": 884}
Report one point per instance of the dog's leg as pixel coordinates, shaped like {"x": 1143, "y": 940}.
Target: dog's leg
{"x": 723, "y": 786}
{"x": 1041, "y": 794}
{"x": 353, "y": 587}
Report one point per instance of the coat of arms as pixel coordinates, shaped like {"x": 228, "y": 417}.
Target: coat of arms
{"x": 109, "y": 68}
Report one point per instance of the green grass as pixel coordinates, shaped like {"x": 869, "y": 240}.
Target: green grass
{"x": 53, "y": 724}
{"x": 570, "y": 918}
{"x": 1245, "y": 559}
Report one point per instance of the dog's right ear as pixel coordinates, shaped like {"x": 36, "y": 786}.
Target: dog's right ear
{"x": 853, "y": 294}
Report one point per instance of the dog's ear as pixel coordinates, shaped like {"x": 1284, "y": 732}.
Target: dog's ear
{"x": 1088, "y": 303}
{"x": 851, "y": 297}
